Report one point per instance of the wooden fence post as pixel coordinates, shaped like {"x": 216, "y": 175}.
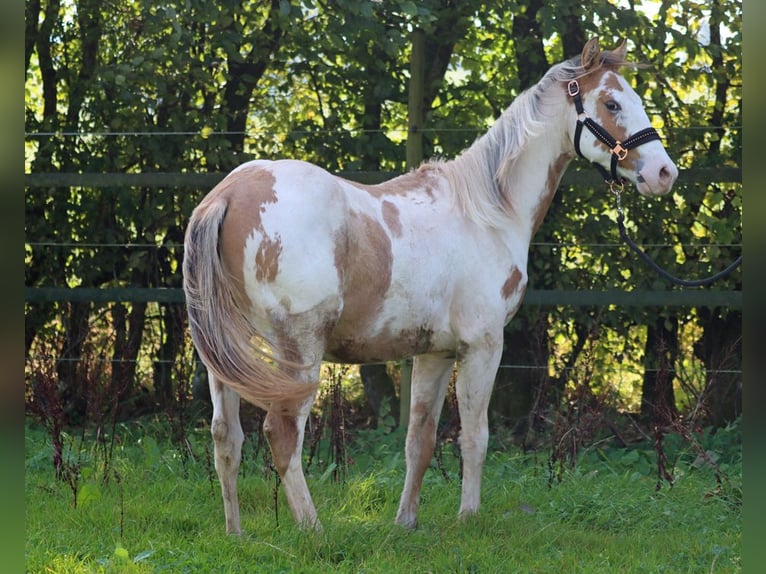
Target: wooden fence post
{"x": 415, "y": 100}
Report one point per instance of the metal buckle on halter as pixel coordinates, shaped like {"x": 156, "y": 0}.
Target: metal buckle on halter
{"x": 619, "y": 151}
{"x": 573, "y": 88}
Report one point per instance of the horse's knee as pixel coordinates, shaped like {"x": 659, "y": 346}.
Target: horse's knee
{"x": 282, "y": 434}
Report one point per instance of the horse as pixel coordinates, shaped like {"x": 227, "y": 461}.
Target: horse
{"x": 286, "y": 265}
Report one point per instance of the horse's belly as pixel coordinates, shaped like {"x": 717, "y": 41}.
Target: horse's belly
{"x": 397, "y": 331}
{"x": 386, "y": 345}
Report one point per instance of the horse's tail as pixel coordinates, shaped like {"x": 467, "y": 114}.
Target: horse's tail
{"x": 223, "y": 334}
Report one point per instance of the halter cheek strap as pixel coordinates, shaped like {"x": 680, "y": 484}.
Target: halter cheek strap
{"x": 619, "y": 149}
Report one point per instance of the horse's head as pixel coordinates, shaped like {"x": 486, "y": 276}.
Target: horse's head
{"x": 610, "y": 128}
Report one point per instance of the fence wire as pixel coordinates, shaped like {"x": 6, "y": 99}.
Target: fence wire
{"x": 623, "y": 367}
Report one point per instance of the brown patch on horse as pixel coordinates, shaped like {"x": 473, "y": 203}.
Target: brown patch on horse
{"x": 420, "y": 179}
{"x": 282, "y": 434}
{"x": 555, "y": 172}
{"x": 364, "y": 260}
{"x": 267, "y": 259}
{"x": 385, "y": 346}
{"x": 391, "y": 217}
{"x": 511, "y": 284}
{"x": 247, "y": 193}
{"x": 607, "y": 120}
{"x": 603, "y": 116}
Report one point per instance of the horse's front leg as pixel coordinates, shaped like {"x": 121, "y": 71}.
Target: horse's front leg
{"x": 227, "y": 448}
{"x": 430, "y": 378}
{"x": 476, "y": 376}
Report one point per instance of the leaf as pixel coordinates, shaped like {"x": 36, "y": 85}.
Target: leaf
{"x": 328, "y": 472}
{"x": 121, "y": 553}
{"x": 143, "y": 555}
{"x": 410, "y": 8}
{"x": 630, "y": 458}
{"x": 88, "y": 493}
{"x": 708, "y": 459}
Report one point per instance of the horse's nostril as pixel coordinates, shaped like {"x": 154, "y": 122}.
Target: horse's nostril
{"x": 666, "y": 175}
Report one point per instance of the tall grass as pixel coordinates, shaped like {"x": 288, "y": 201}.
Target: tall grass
{"x": 159, "y": 510}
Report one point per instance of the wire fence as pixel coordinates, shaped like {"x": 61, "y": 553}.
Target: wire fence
{"x": 150, "y": 359}
{"x": 521, "y": 367}
{"x": 135, "y": 181}
{"x": 171, "y": 245}
{"x": 207, "y": 133}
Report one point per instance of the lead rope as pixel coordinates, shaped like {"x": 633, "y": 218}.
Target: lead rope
{"x": 616, "y": 190}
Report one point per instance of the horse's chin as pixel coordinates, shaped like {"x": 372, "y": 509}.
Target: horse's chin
{"x": 648, "y": 190}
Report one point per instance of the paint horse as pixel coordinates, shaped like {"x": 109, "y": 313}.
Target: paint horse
{"x": 287, "y": 265}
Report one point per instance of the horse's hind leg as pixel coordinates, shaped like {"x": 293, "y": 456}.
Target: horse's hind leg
{"x": 302, "y": 346}
{"x": 430, "y": 379}
{"x": 227, "y": 440}
{"x": 285, "y": 435}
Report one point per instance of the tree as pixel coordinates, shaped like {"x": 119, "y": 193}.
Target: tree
{"x": 196, "y": 86}
{"x": 108, "y": 69}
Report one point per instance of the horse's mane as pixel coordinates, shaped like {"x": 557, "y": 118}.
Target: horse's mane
{"x": 479, "y": 176}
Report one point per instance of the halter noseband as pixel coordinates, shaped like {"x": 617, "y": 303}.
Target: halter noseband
{"x": 619, "y": 149}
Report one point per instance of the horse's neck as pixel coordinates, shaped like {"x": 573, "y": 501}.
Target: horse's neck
{"x": 532, "y": 181}
{"x": 513, "y": 194}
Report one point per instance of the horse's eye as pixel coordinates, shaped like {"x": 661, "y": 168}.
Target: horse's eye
{"x": 612, "y": 106}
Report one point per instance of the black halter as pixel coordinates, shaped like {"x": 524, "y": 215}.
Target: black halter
{"x": 619, "y": 149}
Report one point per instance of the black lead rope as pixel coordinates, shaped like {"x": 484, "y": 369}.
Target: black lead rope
{"x": 673, "y": 279}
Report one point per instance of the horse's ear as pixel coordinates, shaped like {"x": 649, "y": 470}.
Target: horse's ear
{"x": 590, "y": 54}
{"x": 621, "y": 50}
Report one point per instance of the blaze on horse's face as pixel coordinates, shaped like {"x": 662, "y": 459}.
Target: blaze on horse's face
{"x": 610, "y": 101}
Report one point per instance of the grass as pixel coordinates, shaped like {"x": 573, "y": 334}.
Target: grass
{"x": 159, "y": 513}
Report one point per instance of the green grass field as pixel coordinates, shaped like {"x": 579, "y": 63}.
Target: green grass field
{"x": 159, "y": 513}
